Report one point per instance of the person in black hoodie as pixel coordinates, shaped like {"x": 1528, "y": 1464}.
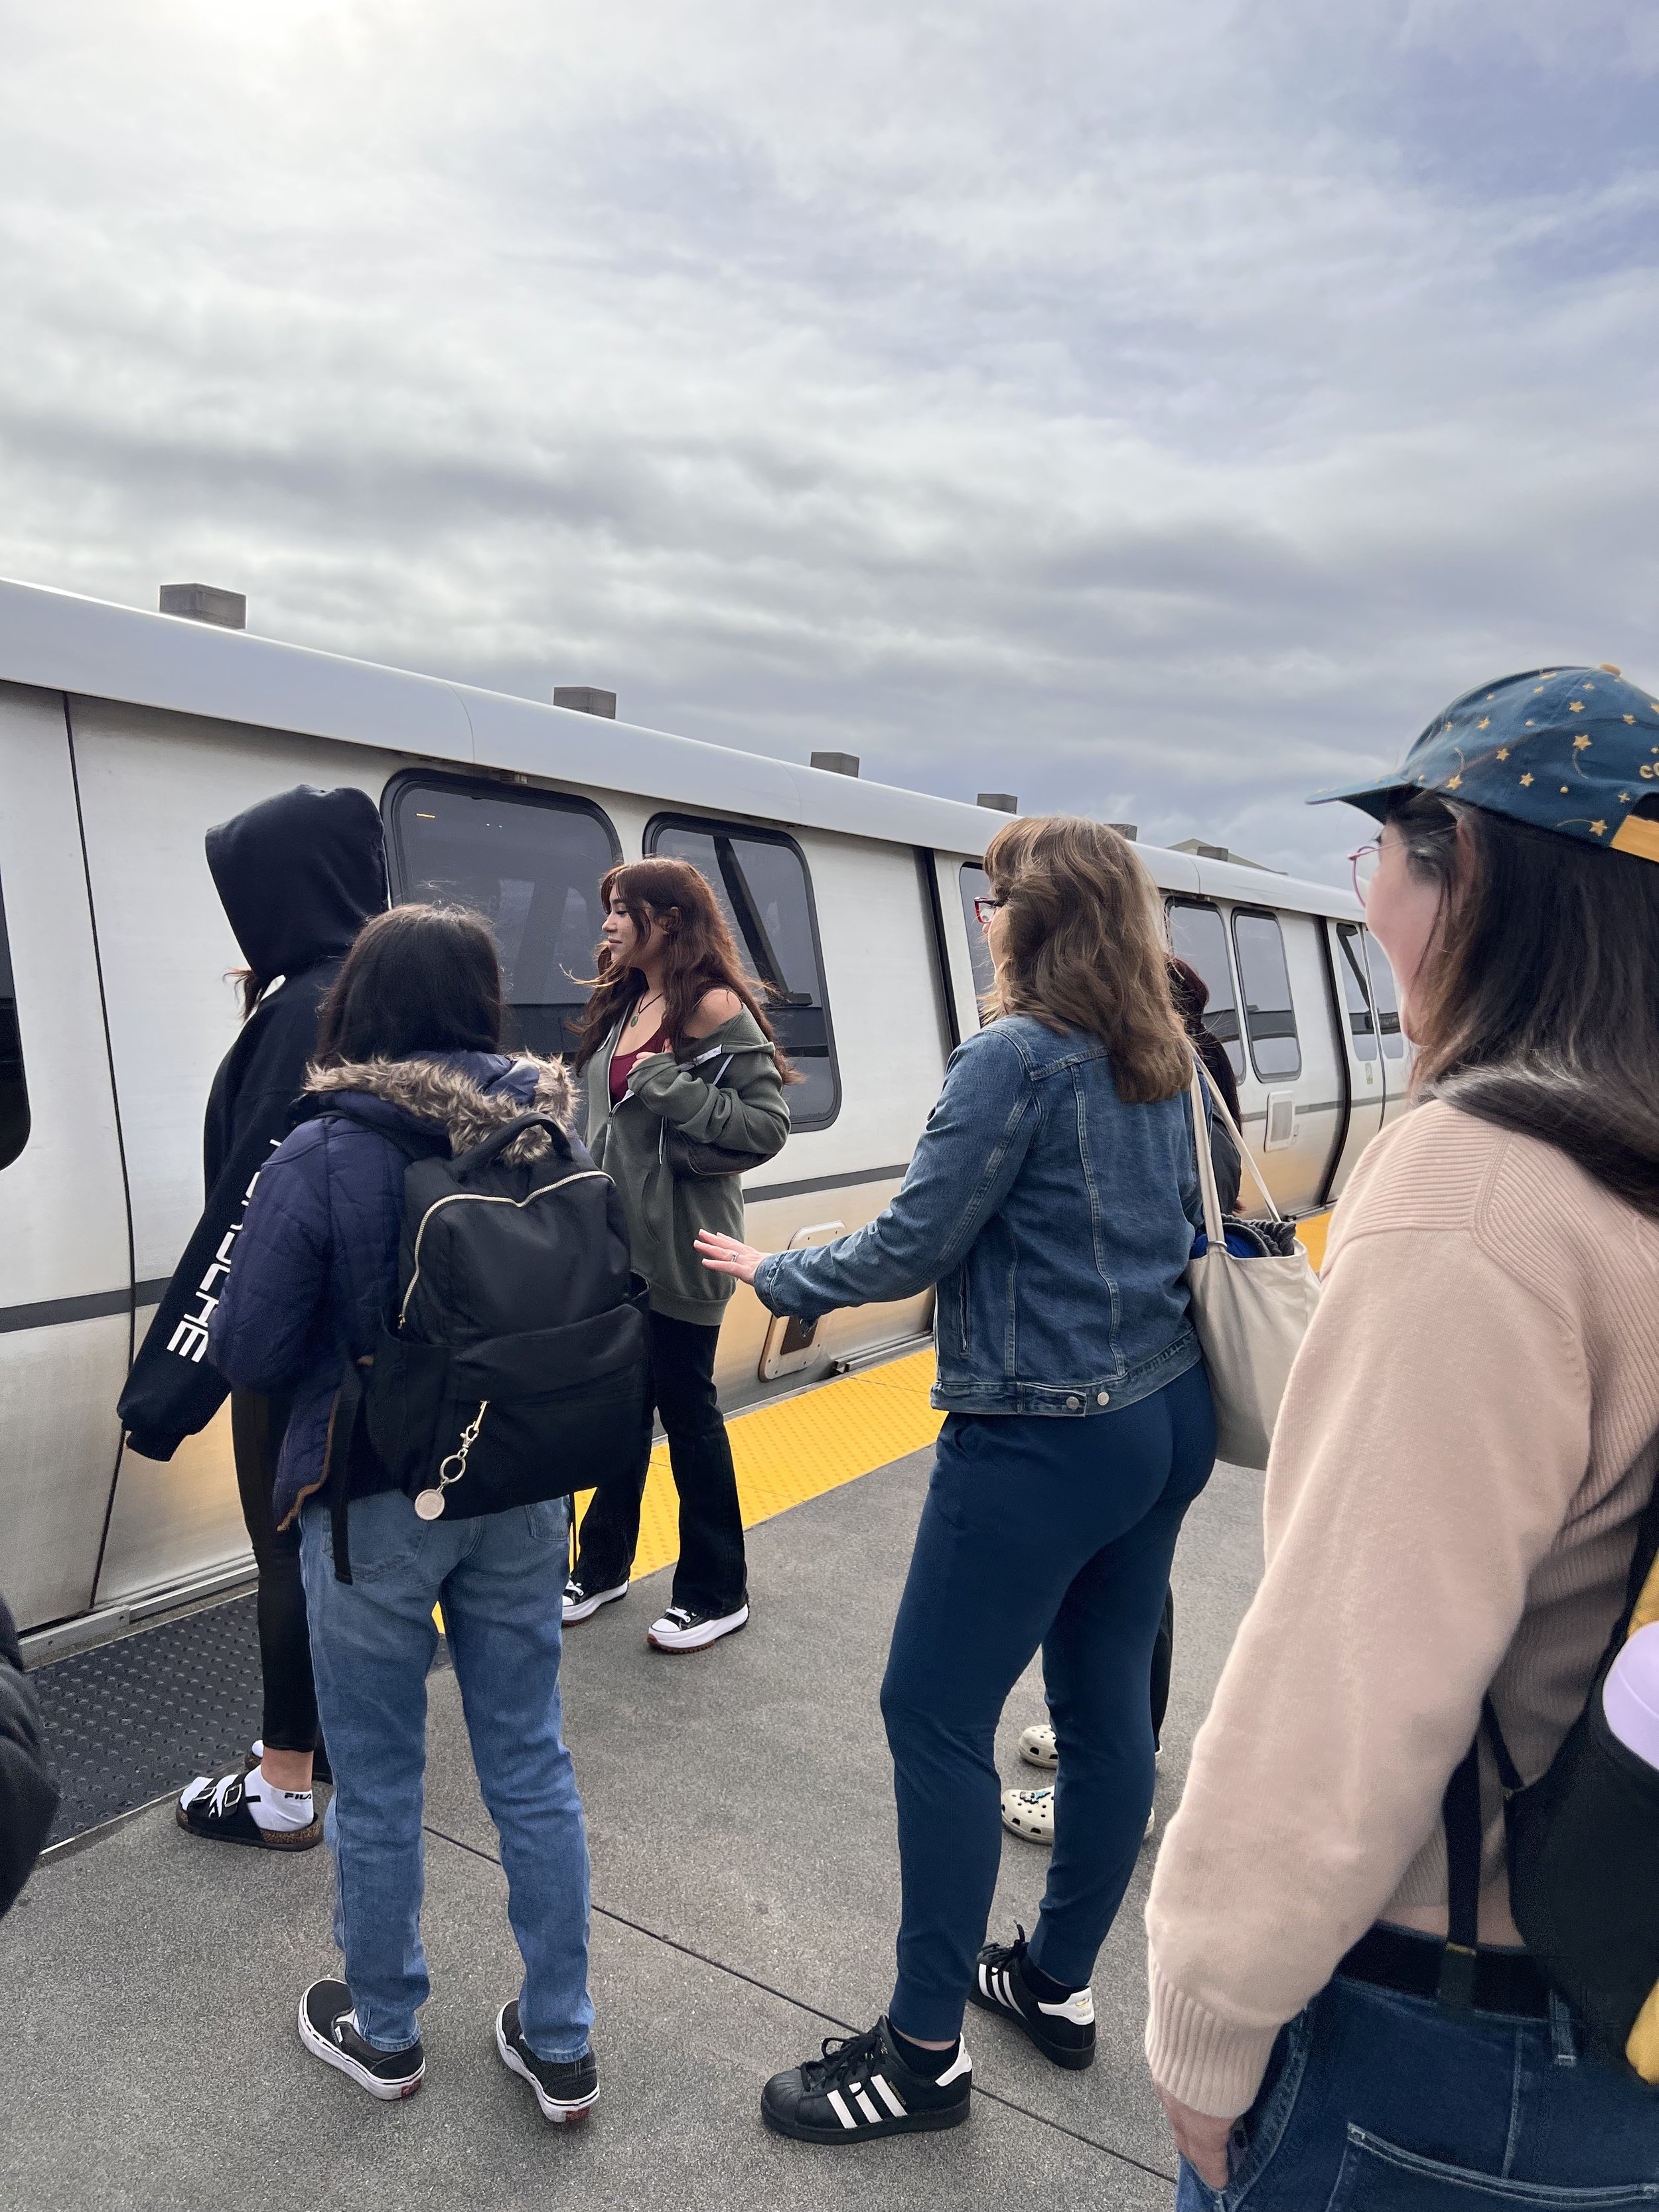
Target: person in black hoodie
{"x": 298, "y": 875}
{"x": 28, "y": 1795}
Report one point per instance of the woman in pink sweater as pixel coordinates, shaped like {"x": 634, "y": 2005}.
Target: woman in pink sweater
{"x": 1467, "y": 1443}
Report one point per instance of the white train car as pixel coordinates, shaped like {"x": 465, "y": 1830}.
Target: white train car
{"x": 125, "y": 735}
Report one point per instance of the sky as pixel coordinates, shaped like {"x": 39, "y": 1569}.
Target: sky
{"x": 1155, "y": 412}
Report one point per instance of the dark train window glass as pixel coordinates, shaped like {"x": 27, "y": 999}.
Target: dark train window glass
{"x": 1356, "y": 997}
{"x": 1386, "y": 998}
{"x": 14, "y": 1090}
{"x": 531, "y": 865}
{"x": 1199, "y": 936}
{"x": 760, "y": 879}
{"x": 976, "y": 884}
{"x": 1269, "y": 1015}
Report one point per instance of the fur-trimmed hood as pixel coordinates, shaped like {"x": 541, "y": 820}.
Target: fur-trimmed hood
{"x": 467, "y": 1095}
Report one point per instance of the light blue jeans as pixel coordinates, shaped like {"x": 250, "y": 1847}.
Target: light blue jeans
{"x": 499, "y": 1580}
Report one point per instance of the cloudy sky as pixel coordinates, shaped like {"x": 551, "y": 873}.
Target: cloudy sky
{"x": 1153, "y": 411}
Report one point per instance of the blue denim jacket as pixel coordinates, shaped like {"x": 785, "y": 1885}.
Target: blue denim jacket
{"x": 1056, "y": 1222}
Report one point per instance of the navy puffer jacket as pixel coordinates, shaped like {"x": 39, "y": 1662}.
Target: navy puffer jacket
{"x": 314, "y": 1271}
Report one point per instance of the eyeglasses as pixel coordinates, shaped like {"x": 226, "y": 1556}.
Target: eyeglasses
{"x": 1363, "y": 864}
{"x": 984, "y": 908}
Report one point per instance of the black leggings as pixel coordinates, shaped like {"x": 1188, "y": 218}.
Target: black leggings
{"x": 256, "y": 1424}
{"x": 711, "y": 1575}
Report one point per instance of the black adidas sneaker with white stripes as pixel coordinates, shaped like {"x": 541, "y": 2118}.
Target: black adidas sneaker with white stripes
{"x": 1064, "y": 2031}
{"x": 862, "y": 2088}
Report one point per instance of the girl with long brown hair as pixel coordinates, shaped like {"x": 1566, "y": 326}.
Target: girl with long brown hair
{"x": 1343, "y": 2006}
{"x": 675, "y": 1041}
{"x": 1052, "y": 1199}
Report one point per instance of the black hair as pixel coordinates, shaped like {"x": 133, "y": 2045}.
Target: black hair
{"x": 417, "y": 979}
{"x": 1538, "y": 1007}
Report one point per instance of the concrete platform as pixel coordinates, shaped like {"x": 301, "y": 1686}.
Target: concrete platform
{"x": 746, "y": 1886}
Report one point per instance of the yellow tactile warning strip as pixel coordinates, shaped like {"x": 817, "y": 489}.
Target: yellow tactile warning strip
{"x": 1310, "y": 1234}
{"x": 787, "y": 1453}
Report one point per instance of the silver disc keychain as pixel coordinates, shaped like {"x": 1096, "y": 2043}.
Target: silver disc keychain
{"x": 430, "y": 1504}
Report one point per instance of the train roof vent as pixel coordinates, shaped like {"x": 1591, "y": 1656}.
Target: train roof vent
{"x": 1128, "y": 830}
{"x": 837, "y": 764}
{"x": 205, "y": 603}
{"x": 586, "y": 699}
{"x": 1000, "y": 802}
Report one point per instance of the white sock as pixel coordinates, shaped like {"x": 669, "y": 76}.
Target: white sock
{"x": 272, "y": 1808}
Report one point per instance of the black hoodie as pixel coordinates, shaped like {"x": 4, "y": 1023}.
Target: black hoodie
{"x": 299, "y": 876}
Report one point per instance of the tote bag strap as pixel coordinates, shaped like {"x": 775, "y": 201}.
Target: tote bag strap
{"x": 1208, "y": 1191}
{"x": 1202, "y": 1083}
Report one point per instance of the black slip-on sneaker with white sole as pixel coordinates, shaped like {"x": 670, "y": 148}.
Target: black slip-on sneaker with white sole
{"x": 679, "y": 1629}
{"x": 1064, "y": 2032}
{"x": 862, "y": 2088}
{"x": 581, "y": 1603}
{"x": 218, "y": 1809}
{"x": 567, "y": 2090}
{"x": 328, "y": 2029}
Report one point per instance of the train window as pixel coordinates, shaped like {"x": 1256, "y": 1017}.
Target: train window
{"x": 1269, "y": 1015}
{"x": 1199, "y": 936}
{"x": 760, "y": 879}
{"x": 529, "y": 863}
{"x": 976, "y": 884}
{"x": 1356, "y": 997}
{"x": 1386, "y": 998}
{"x": 14, "y": 1090}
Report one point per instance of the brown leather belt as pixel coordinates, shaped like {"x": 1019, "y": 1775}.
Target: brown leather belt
{"x": 1393, "y": 1959}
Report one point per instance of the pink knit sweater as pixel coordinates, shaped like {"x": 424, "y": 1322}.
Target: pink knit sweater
{"x": 1469, "y": 1437}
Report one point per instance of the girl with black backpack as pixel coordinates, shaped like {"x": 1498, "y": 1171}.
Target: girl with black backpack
{"x": 408, "y": 1064}
{"x": 1360, "y": 1994}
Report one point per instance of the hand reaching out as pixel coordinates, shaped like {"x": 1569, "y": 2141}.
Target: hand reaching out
{"x": 725, "y": 1256}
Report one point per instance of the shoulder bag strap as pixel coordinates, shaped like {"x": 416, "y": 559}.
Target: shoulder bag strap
{"x": 1209, "y": 1193}
{"x": 1219, "y": 1106}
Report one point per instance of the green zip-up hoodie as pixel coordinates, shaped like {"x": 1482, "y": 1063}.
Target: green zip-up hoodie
{"x": 746, "y": 1110}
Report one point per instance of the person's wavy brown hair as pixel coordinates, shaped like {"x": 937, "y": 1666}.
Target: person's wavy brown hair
{"x": 700, "y": 955}
{"x": 1537, "y": 1004}
{"x": 1082, "y": 948}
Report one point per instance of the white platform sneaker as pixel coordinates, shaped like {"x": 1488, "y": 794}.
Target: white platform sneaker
{"x": 680, "y": 1631}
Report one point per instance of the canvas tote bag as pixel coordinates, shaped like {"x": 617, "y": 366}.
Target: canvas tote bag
{"x": 1250, "y": 1314}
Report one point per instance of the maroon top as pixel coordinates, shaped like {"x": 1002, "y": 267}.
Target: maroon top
{"x": 622, "y": 1062}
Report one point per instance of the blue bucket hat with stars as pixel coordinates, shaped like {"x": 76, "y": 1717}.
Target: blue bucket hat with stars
{"x": 1571, "y": 749}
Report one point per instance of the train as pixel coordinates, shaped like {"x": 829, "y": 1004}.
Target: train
{"x": 125, "y": 735}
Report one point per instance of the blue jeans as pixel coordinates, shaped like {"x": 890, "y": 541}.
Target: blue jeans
{"x": 498, "y": 1579}
{"x": 1375, "y": 2102}
{"x": 1035, "y": 1531}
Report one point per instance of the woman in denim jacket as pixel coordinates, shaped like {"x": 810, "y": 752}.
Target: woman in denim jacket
{"x": 1052, "y": 1199}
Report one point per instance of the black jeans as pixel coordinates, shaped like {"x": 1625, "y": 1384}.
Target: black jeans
{"x": 256, "y": 1424}
{"x": 712, "y": 1575}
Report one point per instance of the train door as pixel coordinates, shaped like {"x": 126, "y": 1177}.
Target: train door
{"x": 65, "y": 1261}
{"x": 1293, "y": 1051}
{"x": 1363, "y": 1061}
{"x": 1396, "y": 1056}
{"x": 151, "y": 785}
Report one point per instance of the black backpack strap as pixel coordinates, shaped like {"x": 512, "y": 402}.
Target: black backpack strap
{"x": 1461, "y": 1812}
{"x": 481, "y": 1155}
{"x": 1641, "y": 1566}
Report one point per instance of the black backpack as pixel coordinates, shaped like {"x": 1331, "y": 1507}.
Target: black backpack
{"x": 514, "y": 1366}
{"x": 1584, "y": 1859}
